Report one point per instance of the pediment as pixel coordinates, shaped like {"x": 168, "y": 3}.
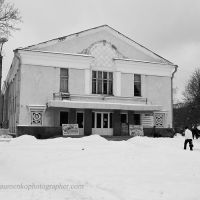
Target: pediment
{"x": 102, "y": 40}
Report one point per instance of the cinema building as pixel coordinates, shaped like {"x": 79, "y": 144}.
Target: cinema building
{"x": 98, "y": 78}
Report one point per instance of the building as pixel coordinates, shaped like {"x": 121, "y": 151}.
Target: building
{"x": 97, "y": 78}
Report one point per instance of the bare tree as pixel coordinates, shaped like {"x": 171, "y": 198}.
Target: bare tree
{"x": 9, "y": 17}
{"x": 191, "y": 114}
{"x": 192, "y": 89}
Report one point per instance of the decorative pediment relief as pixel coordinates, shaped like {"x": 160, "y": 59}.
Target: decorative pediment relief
{"x": 103, "y": 53}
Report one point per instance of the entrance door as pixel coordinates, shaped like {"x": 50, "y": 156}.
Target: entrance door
{"x": 102, "y": 123}
{"x": 124, "y": 118}
{"x": 63, "y": 118}
{"x": 124, "y": 123}
{"x": 80, "y": 122}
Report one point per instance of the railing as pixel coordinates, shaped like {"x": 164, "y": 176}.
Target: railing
{"x": 99, "y": 98}
{"x": 61, "y": 96}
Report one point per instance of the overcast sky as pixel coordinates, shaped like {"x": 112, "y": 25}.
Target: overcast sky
{"x": 171, "y": 28}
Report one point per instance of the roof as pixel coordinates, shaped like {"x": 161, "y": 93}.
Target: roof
{"x": 59, "y": 39}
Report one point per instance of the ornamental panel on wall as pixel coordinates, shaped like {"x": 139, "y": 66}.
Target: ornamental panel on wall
{"x": 159, "y": 120}
{"x": 36, "y": 117}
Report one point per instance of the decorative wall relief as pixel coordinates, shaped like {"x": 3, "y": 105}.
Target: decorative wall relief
{"x": 159, "y": 120}
{"x": 36, "y": 114}
{"x": 36, "y": 118}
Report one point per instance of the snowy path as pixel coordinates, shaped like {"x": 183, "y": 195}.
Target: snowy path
{"x": 139, "y": 169}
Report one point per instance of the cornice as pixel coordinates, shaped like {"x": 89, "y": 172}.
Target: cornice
{"x": 145, "y": 68}
{"x": 55, "y": 59}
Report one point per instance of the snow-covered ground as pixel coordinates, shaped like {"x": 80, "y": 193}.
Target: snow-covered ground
{"x": 92, "y": 168}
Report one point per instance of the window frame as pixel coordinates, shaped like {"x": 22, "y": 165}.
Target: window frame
{"x": 102, "y": 82}
{"x": 137, "y": 85}
{"x": 65, "y": 78}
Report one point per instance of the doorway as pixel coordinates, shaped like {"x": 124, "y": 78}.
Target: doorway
{"x": 124, "y": 124}
{"x": 80, "y": 122}
{"x": 63, "y": 118}
{"x": 102, "y": 123}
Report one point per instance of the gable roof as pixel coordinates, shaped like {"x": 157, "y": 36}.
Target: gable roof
{"x": 92, "y": 30}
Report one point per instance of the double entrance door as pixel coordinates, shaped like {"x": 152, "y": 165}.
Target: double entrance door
{"x": 102, "y": 123}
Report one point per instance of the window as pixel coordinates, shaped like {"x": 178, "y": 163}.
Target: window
{"x": 105, "y": 120}
{"x": 137, "y": 120}
{"x": 111, "y": 124}
{"x": 98, "y": 123}
{"x": 124, "y": 118}
{"x": 137, "y": 85}
{"x": 63, "y": 80}
{"x": 102, "y": 82}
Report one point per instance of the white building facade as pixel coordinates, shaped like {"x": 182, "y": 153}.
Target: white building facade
{"x": 98, "y": 78}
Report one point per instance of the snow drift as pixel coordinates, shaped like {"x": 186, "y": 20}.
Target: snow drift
{"x": 140, "y": 168}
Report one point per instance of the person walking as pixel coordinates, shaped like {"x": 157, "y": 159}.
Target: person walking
{"x": 194, "y": 132}
{"x": 188, "y": 138}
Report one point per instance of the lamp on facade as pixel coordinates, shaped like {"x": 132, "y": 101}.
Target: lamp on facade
{"x": 2, "y": 41}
